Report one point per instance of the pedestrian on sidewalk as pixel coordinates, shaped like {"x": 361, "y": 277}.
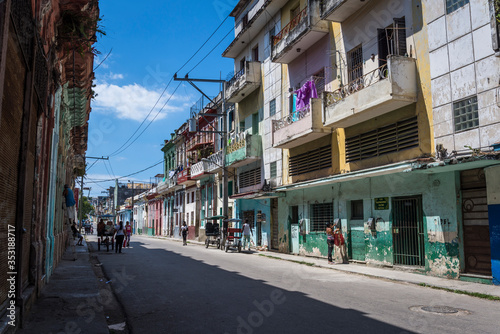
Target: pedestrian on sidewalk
{"x": 101, "y": 227}
{"x": 330, "y": 239}
{"x": 120, "y": 235}
{"x": 246, "y": 234}
{"x": 128, "y": 233}
{"x": 69, "y": 200}
{"x": 184, "y": 231}
{"x": 340, "y": 249}
{"x": 77, "y": 234}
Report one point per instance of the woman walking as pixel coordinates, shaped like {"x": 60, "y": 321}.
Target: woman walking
{"x": 184, "y": 231}
{"x": 128, "y": 233}
{"x": 330, "y": 239}
{"x": 120, "y": 235}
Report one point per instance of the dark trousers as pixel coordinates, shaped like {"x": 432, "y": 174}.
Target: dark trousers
{"x": 119, "y": 243}
{"x": 330, "y": 250}
{"x": 184, "y": 237}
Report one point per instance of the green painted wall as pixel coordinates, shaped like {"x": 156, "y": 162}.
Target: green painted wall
{"x": 440, "y": 222}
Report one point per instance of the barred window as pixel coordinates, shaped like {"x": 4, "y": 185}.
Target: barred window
{"x": 273, "y": 169}
{"x": 321, "y": 214}
{"x": 466, "y": 115}
{"x": 357, "y": 210}
{"x": 355, "y": 63}
{"x": 453, "y": 5}
{"x": 250, "y": 178}
{"x": 272, "y": 107}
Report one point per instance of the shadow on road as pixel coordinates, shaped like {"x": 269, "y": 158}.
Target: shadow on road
{"x": 167, "y": 292}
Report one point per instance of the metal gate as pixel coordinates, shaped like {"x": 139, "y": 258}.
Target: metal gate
{"x": 408, "y": 231}
{"x": 274, "y": 224}
{"x": 477, "y": 249}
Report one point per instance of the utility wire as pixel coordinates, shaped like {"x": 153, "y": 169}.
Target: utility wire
{"x": 125, "y": 176}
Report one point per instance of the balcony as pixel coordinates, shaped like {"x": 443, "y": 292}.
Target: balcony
{"x": 244, "y": 82}
{"x": 340, "y": 10}
{"x": 215, "y": 162}
{"x": 200, "y": 170}
{"x": 299, "y": 34}
{"x": 258, "y": 17}
{"x": 300, "y": 127}
{"x": 184, "y": 177}
{"x": 376, "y": 93}
{"x": 244, "y": 149}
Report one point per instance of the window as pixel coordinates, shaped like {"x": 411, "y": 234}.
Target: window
{"x": 273, "y": 169}
{"x": 231, "y": 120}
{"x": 242, "y": 126}
{"x": 192, "y": 218}
{"x": 192, "y": 197}
{"x": 355, "y": 63}
{"x": 255, "y": 123}
{"x": 294, "y": 12}
{"x": 242, "y": 64}
{"x": 250, "y": 178}
{"x": 319, "y": 82}
{"x": 453, "y": 5}
{"x": 311, "y": 161}
{"x": 465, "y": 113}
{"x": 295, "y": 214}
{"x": 357, "y": 210}
{"x": 321, "y": 214}
{"x": 255, "y": 53}
{"x": 272, "y": 107}
{"x": 391, "y": 138}
{"x": 272, "y": 32}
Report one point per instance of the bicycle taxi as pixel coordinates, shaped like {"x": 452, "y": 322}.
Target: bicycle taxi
{"x": 234, "y": 234}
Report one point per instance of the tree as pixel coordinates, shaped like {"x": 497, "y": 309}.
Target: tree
{"x": 86, "y": 208}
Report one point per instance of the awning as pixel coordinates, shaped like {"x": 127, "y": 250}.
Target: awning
{"x": 213, "y": 217}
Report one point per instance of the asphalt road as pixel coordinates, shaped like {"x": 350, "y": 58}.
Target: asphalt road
{"x": 169, "y": 288}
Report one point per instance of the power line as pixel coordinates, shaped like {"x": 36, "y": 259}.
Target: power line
{"x": 150, "y": 122}
{"x": 125, "y": 176}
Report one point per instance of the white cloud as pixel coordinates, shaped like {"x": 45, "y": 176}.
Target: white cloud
{"x": 115, "y": 76}
{"x": 134, "y": 101}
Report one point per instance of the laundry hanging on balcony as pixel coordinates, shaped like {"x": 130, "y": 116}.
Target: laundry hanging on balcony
{"x": 305, "y": 94}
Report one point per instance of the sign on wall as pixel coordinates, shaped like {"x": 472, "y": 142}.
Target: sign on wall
{"x": 381, "y": 203}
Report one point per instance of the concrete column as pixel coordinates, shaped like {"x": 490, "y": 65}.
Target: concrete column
{"x": 493, "y": 193}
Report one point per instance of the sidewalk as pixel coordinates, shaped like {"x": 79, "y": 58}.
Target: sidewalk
{"x": 384, "y": 273}
{"x": 64, "y": 305}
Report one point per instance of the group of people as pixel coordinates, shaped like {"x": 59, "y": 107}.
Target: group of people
{"x": 120, "y": 232}
{"x": 335, "y": 239}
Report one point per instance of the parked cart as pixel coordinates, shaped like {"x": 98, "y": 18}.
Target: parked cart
{"x": 212, "y": 232}
{"x": 233, "y": 235}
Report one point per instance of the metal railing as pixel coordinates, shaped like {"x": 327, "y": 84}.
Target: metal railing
{"x": 237, "y": 141}
{"x": 295, "y": 116}
{"x": 237, "y": 76}
{"x": 290, "y": 26}
{"x": 356, "y": 85}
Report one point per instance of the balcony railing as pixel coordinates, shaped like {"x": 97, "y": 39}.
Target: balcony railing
{"x": 216, "y": 161}
{"x": 244, "y": 82}
{"x": 356, "y": 85}
{"x": 295, "y": 116}
{"x": 290, "y": 26}
{"x": 385, "y": 89}
{"x": 235, "y": 78}
{"x": 244, "y": 148}
{"x": 199, "y": 169}
{"x": 300, "y": 127}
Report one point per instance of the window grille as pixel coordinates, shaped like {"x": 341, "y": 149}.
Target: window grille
{"x": 355, "y": 63}
{"x": 392, "y": 138}
{"x": 453, "y": 5}
{"x": 321, "y": 214}
{"x": 357, "y": 210}
{"x": 272, "y": 107}
{"x": 319, "y": 82}
{"x": 466, "y": 114}
{"x": 273, "y": 169}
{"x": 250, "y": 178}
{"x": 311, "y": 161}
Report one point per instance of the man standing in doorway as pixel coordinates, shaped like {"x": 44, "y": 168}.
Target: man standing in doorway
{"x": 70, "y": 203}
{"x": 246, "y": 234}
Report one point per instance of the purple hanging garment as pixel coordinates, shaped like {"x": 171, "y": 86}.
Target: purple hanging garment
{"x": 305, "y": 94}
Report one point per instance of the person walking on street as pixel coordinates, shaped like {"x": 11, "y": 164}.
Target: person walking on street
{"x": 120, "y": 235}
{"x": 128, "y": 233}
{"x": 70, "y": 203}
{"x": 184, "y": 231}
{"x": 246, "y": 234}
{"x": 330, "y": 239}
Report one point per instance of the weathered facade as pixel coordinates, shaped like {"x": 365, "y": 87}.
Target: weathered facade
{"x": 46, "y": 73}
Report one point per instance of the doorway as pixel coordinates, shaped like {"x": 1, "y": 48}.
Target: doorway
{"x": 408, "y": 231}
{"x": 475, "y": 223}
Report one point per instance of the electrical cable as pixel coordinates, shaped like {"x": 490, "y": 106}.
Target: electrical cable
{"x": 125, "y": 176}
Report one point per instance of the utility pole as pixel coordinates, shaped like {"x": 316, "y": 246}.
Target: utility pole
{"x": 223, "y": 133}
{"x": 80, "y": 208}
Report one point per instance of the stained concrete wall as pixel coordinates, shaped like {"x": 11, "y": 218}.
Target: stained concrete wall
{"x": 439, "y": 205}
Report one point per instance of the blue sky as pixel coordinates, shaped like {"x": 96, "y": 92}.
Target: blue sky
{"x": 150, "y": 41}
